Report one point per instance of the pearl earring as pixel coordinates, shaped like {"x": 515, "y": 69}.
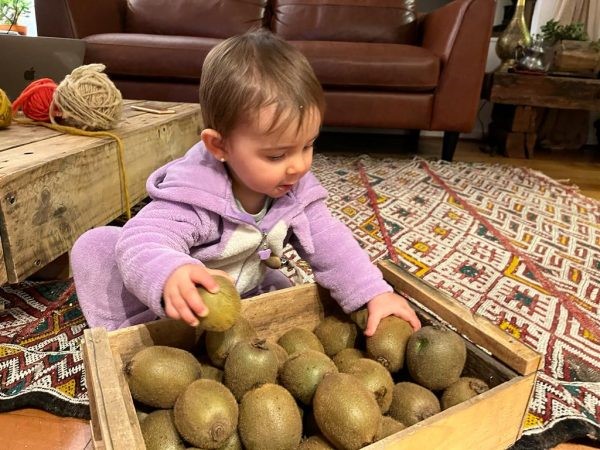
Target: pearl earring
{"x": 222, "y": 160}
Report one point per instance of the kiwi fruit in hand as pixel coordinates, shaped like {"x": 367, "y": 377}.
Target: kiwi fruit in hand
{"x": 224, "y": 306}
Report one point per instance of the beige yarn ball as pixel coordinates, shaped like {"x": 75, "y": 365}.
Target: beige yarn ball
{"x": 88, "y": 99}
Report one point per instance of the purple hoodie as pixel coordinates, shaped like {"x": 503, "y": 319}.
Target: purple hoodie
{"x": 193, "y": 219}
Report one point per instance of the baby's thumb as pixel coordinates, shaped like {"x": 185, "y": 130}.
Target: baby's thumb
{"x": 372, "y": 324}
{"x": 205, "y": 279}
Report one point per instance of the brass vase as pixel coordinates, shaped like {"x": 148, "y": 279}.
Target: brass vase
{"x": 515, "y": 37}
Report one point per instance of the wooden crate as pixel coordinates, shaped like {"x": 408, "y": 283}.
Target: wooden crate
{"x": 55, "y": 186}
{"x": 492, "y": 420}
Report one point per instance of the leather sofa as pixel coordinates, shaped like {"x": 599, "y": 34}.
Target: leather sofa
{"x": 382, "y": 64}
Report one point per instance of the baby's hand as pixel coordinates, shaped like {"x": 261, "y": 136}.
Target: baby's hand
{"x": 389, "y": 304}
{"x": 182, "y": 300}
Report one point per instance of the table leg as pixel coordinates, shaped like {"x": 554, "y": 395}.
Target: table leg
{"x": 513, "y": 130}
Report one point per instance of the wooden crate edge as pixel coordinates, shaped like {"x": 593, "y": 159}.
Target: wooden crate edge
{"x": 110, "y": 416}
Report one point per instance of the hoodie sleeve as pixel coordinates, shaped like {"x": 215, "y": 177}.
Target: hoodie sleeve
{"x": 154, "y": 244}
{"x": 338, "y": 262}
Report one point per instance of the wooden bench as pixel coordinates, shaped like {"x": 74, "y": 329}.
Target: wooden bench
{"x": 55, "y": 186}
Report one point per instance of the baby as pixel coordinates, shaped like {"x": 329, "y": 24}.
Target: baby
{"x": 232, "y": 203}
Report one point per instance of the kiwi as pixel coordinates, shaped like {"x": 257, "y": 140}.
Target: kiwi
{"x": 302, "y": 372}
{"x": 212, "y": 373}
{"x": 435, "y": 357}
{"x": 233, "y": 443}
{"x": 376, "y": 379}
{"x": 249, "y": 365}
{"x": 269, "y": 418}
{"x": 462, "y": 390}
{"x": 412, "y": 403}
{"x": 388, "y": 344}
{"x": 388, "y": 427}
{"x": 224, "y": 306}
{"x": 299, "y": 339}
{"x": 152, "y": 377}
{"x": 218, "y": 344}
{"x": 206, "y": 414}
{"x": 345, "y": 358}
{"x": 359, "y": 317}
{"x": 159, "y": 432}
{"x": 315, "y": 443}
{"x": 336, "y": 334}
{"x": 346, "y": 412}
{"x": 279, "y": 351}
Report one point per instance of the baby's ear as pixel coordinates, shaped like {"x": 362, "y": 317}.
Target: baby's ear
{"x": 214, "y": 142}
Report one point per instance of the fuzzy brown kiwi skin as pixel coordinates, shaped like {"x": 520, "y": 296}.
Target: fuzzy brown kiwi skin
{"x": 219, "y": 344}
{"x": 206, "y": 414}
{"x": 462, "y": 390}
{"x": 299, "y": 339}
{"x": 336, "y": 333}
{"x": 269, "y": 418}
{"x": 387, "y": 345}
{"x": 249, "y": 365}
{"x": 346, "y": 412}
{"x": 412, "y": 403}
{"x": 224, "y": 306}
{"x": 302, "y": 373}
{"x": 435, "y": 357}
{"x": 376, "y": 379}
{"x": 149, "y": 374}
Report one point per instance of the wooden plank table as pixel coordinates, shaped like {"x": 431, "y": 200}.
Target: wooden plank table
{"x": 55, "y": 186}
{"x": 519, "y": 99}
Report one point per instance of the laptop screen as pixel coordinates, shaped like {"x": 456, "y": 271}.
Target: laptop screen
{"x": 31, "y": 58}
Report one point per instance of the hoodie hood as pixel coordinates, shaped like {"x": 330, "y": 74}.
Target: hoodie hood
{"x": 201, "y": 181}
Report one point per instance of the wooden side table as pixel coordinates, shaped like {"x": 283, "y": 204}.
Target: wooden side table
{"x": 519, "y": 99}
{"x": 55, "y": 186}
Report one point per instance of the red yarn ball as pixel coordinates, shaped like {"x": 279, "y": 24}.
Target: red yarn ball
{"x": 35, "y": 100}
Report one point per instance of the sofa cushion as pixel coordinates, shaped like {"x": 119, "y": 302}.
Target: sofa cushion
{"x": 372, "y": 65}
{"x": 149, "y": 55}
{"x": 206, "y": 18}
{"x": 391, "y": 21}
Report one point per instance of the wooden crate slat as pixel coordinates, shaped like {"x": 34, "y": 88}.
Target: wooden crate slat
{"x": 479, "y": 330}
{"x": 52, "y": 191}
{"x": 111, "y": 408}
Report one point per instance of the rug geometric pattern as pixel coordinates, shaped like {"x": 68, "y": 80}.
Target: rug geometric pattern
{"x": 41, "y": 366}
{"x": 510, "y": 244}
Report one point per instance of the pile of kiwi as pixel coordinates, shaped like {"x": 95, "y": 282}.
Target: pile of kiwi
{"x": 327, "y": 388}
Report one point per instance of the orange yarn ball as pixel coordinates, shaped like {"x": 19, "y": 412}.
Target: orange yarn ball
{"x": 35, "y": 100}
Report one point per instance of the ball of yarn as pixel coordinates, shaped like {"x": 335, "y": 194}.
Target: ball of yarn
{"x": 5, "y": 110}
{"x": 35, "y": 100}
{"x": 88, "y": 99}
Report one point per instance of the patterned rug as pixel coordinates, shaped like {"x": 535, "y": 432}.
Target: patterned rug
{"x": 41, "y": 366}
{"x": 510, "y": 244}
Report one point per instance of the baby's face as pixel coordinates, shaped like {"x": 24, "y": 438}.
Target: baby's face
{"x": 265, "y": 163}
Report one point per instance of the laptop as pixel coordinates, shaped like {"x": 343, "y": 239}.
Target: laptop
{"x": 27, "y": 58}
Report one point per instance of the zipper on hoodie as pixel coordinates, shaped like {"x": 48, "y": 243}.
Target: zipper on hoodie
{"x": 262, "y": 246}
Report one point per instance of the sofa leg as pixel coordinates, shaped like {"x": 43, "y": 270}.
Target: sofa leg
{"x": 449, "y": 145}
{"x": 413, "y": 140}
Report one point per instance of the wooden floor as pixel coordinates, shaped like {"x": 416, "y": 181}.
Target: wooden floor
{"x": 34, "y": 429}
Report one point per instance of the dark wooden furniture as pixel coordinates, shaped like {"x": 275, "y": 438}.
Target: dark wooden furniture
{"x": 520, "y": 98}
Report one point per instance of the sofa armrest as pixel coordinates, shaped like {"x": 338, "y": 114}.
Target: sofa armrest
{"x": 79, "y": 18}
{"x": 459, "y": 34}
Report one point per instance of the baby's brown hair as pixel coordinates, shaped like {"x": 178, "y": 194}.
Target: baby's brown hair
{"x": 246, "y": 73}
